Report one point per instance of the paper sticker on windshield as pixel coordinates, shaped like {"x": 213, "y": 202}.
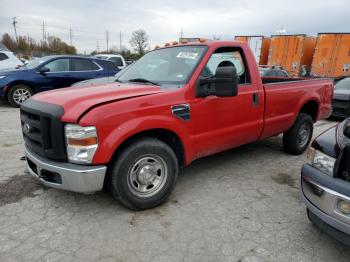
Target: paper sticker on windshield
{"x": 187, "y": 55}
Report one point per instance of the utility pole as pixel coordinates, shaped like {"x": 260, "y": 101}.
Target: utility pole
{"x": 107, "y": 38}
{"x": 120, "y": 41}
{"x": 181, "y": 33}
{"x": 44, "y": 38}
{"x": 14, "y": 22}
{"x": 97, "y": 47}
{"x": 71, "y": 36}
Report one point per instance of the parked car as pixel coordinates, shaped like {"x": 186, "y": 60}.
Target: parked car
{"x": 174, "y": 105}
{"x": 273, "y": 72}
{"x": 118, "y": 60}
{"x": 325, "y": 182}
{"x": 341, "y": 98}
{"x": 100, "y": 80}
{"x": 9, "y": 61}
{"x": 49, "y": 73}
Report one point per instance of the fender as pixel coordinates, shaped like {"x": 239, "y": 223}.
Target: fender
{"x": 114, "y": 138}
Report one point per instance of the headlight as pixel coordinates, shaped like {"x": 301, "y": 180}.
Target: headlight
{"x": 1, "y": 77}
{"x": 81, "y": 143}
{"x": 321, "y": 161}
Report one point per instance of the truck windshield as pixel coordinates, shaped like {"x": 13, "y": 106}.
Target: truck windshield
{"x": 165, "y": 66}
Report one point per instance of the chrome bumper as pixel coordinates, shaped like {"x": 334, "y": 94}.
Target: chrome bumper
{"x": 65, "y": 176}
{"x": 322, "y": 202}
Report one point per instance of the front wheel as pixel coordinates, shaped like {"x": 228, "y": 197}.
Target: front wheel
{"x": 18, "y": 94}
{"x": 144, "y": 174}
{"x": 297, "y": 139}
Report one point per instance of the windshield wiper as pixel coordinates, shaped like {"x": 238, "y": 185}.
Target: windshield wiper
{"x": 143, "y": 80}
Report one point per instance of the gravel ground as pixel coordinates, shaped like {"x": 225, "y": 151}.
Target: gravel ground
{"x": 240, "y": 205}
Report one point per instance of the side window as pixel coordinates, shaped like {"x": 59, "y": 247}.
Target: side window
{"x": 228, "y": 57}
{"x": 117, "y": 60}
{"x": 58, "y": 65}
{"x": 83, "y": 65}
{"x": 3, "y": 57}
{"x": 111, "y": 66}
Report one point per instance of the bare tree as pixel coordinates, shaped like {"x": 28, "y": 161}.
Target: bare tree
{"x": 139, "y": 41}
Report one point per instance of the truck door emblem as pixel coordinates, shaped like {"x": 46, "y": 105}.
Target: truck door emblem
{"x": 182, "y": 111}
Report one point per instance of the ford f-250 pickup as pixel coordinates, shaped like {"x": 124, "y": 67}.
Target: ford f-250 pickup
{"x": 176, "y": 104}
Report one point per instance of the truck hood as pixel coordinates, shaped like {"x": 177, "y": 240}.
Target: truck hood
{"x": 78, "y": 100}
{"x": 341, "y": 95}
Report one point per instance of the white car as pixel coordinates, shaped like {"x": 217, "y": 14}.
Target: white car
{"x": 9, "y": 61}
{"x": 118, "y": 60}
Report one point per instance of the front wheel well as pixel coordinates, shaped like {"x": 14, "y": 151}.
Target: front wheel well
{"x": 165, "y": 135}
{"x": 310, "y": 108}
{"x": 15, "y": 84}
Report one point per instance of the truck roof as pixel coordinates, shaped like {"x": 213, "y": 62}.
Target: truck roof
{"x": 214, "y": 43}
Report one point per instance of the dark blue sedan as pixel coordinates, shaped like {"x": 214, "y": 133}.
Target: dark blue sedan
{"x": 49, "y": 73}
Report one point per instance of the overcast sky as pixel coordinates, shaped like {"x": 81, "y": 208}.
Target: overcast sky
{"x": 163, "y": 20}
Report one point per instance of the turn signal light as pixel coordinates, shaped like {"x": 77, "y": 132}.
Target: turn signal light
{"x": 89, "y": 141}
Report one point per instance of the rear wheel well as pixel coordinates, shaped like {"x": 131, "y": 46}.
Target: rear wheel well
{"x": 164, "y": 135}
{"x": 310, "y": 108}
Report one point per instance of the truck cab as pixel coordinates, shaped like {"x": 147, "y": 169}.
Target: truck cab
{"x": 174, "y": 105}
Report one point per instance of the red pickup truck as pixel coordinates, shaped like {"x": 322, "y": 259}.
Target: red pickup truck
{"x": 174, "y": 105}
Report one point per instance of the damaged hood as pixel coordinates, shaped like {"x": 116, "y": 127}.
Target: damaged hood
{"x": 75, "y": 101}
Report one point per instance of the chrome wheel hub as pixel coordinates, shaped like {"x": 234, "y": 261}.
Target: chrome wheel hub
{"x": 20, "y": 95}
{"x": 147, "y": 176}
{"x": 303, "y": 135}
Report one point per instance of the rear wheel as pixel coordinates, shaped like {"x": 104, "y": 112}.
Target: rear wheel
{"x": 19, "y": 94}
{"x": 144, "y": 174}
{"x": 297, "y": 139}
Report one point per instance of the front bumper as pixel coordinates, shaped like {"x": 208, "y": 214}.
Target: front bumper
{"x": 65, "y": 176}
{"x": 321, "y": 194}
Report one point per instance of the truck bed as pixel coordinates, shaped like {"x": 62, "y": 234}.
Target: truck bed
{"x": 284, "y": 98}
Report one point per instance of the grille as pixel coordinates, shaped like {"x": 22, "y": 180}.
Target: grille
{"x": 42, "y": 129}
{"x": 344, "y": 165}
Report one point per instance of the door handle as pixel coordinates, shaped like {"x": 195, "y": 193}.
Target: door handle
{"x": 255, "y": 99}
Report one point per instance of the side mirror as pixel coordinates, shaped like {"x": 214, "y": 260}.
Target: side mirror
{"x": 347, "y": 131}
{"x": 43, "y": 70}
{"x": 223, "y": 84}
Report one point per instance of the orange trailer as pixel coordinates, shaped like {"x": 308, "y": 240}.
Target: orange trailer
{"x": 260, "y": 46}
{"x": 332, "y": 55}
{"x": 293, "y": 52}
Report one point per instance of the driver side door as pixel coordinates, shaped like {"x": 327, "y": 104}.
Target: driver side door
{"x": 221, "y": 123}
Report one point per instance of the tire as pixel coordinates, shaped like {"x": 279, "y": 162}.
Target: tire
{"x": 144, "y": 174}
{"x": 297, "y": 139}
{"x": 18, "y": 94}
